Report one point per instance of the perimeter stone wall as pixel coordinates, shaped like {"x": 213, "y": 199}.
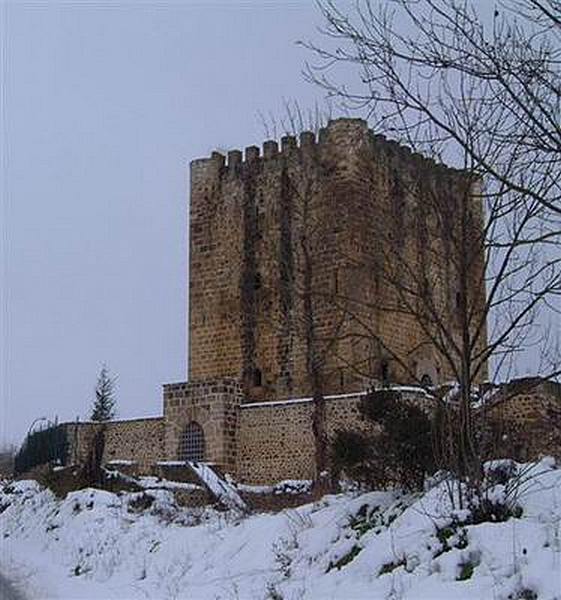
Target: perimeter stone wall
{"x": 267, "y": 442}
{"x": 140, "y": 441}
{"x": 276, "y": 441}
{"x": 525, "y": 420}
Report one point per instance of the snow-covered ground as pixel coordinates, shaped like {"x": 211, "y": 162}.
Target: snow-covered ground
{"x": 96, "y": 544}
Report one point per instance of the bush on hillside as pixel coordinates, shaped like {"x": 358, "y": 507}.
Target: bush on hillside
{"x": 398, "y": 448}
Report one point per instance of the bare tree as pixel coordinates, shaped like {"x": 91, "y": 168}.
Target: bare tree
{"x": 417, "y": 62}
{"x": 295, "y": 119}
{"x": 306, "y": 241}
{"x": 311, "y": 261}
{"x": 305, "y": 268}
{"x": 489, "y": 105}
{"x": 452, "y": 260}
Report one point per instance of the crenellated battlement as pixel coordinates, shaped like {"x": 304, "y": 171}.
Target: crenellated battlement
{"x": 270, "y": 150}
{"x": 343, "y": 132}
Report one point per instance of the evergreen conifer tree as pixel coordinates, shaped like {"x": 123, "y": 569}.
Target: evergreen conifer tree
{"x": 104, "y": 404}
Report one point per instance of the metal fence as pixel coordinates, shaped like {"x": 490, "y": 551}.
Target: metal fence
{"x": 48, "y": 444}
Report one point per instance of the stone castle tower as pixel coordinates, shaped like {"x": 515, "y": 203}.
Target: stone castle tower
{"x": 297, "y": 258}
{"x": 287, "y": 248}
{"x": 314, "y": 260}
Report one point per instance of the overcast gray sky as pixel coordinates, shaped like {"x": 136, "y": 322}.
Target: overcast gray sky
{"x": 103, "y": 106}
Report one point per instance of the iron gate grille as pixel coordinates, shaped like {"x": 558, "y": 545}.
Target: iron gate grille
{"x": 192, "y": 443}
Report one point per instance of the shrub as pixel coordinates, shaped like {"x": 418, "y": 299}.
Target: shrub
{"x": 525, "y": 594}
{"x": 355, "y": 453}
{"x": 401, "y": 451}
{"x": 365, "y": 520}
{"x": 391, "y": 566}
{"x": 273, "y": 593}
{"x": 141, "y": 502}
{"x": 489, "y": 511}
{"x": 501, "y": 472}
{"x": 345, "y": 559}
{"x": 466, "y": 571}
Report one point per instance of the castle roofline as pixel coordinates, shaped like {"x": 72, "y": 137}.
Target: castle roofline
{"x": 308, "y": 142}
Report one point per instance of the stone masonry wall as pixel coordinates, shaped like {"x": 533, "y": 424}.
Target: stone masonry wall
{"x": 212, "y": 404}
{"x": 266, "y": 442}
{"x": 526, "y": 418}
{"x": 276, "y": 440}
{"x": 138, "y": 440}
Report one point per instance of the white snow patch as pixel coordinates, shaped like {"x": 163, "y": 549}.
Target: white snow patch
{"x": 287, "y": 486}
{"x": 301, "y": 400}
{"x": 223, "y": 490}
{"x": 155, "y": 482}
{"x": 386, "y": 544}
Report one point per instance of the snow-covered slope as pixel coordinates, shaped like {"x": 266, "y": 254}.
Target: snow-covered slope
{"x": 95, "y": 544}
